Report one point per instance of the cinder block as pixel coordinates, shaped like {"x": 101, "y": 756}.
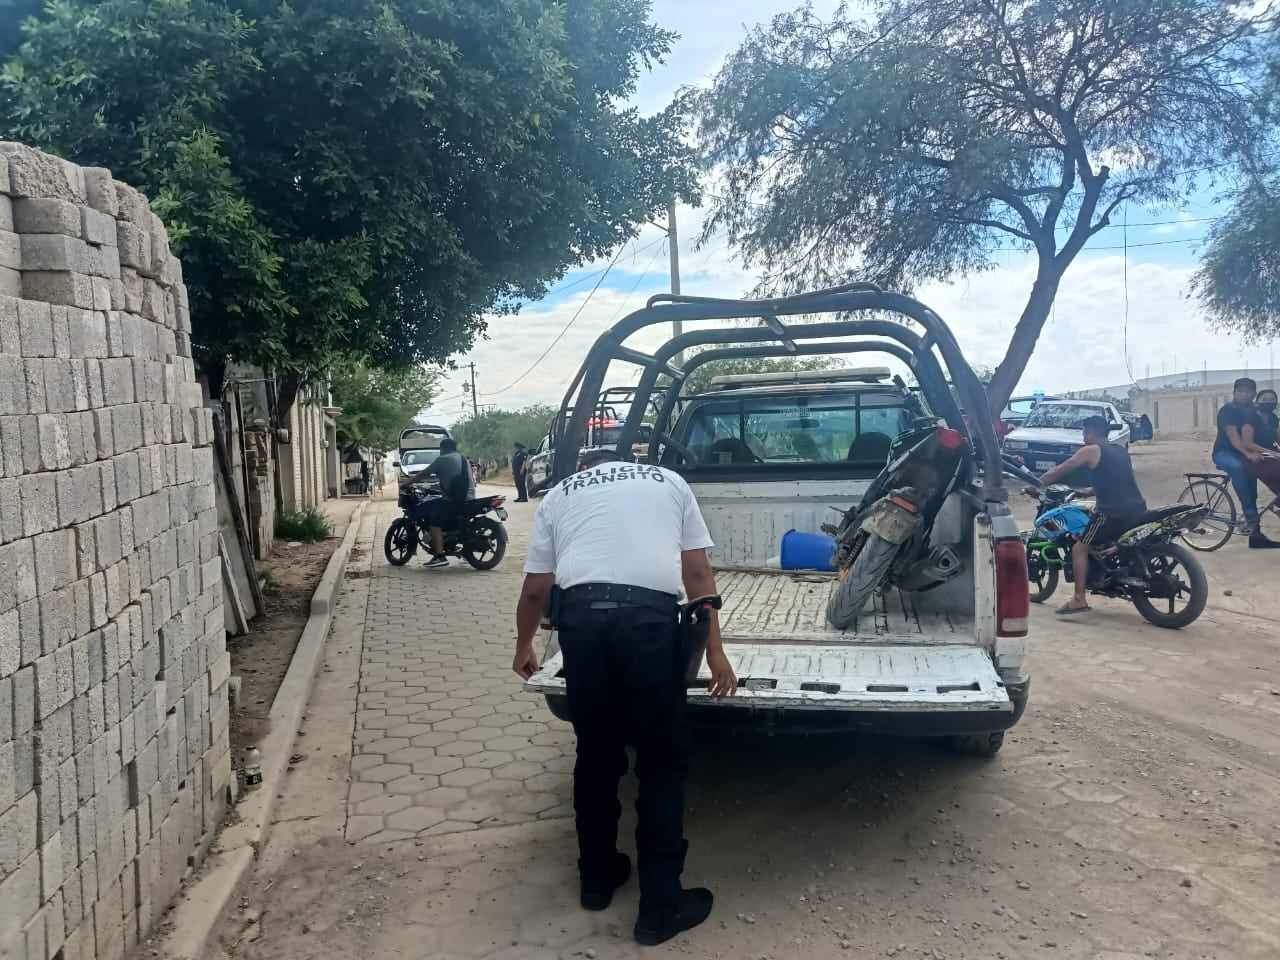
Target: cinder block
{"x": 11, "y": 461}
{"x": 55, "y": 560}
{"x": 71, "y": 289}
{"x": 24, "y": 765}
{"x": 51, "y": 866}
{"x": 10, "y": 645}
{"x": 69, "y": 797}
{"x": 29, "y": 633}
{"x": 126, "y": 427}
{"x": 107, "y": 483}
{"x": 55, "y": 931}
{"x": 6, "y": 706}
{"x": 98, "y": 600}
{"x": 134, "y": 245}
{"x": 54, "y": 252}
{"x": 59, "y": 387}
{"x": 104, "y": 263}
{"x": 7, "y": 775}
{"x": 84, "y": 616}
{"x": 13, "y": 387}
{"x": 35, "y": 933}
{"x": 17, "y": 834}
{"x": 10, "y": 250}
{"x": 101, "y": 292}
{"x": 46, "y": 215}
{"x": 35, "y": 328}
{"x": 6, "y": 204}
{"x": 87, "y": 333}
{"x": 31, "y": 434}
{"x": 10, "y": 510}
{"x": 103, "y": 436}
{"x": 24, "y": 702}
{"x": 117, "y": 381}
{"x": 38, "y": 497}
{"x": 97, "y": 228}
{"x": 55, "y": 446}
{"x": 32, "y": 173}
{"x": 100, "y": 191}
{"x": 10, "y": 282}
{"x": 86, "y": 549}
{"x": 61, "y": 332}
{"x": 17, "y": 574}
{"x": 10, "y": 338}
{"x": 33, "y": 374}
{"x": 93, "y": 383}
{"x": 133, "y": 205}
{"x": 57, "y": 619}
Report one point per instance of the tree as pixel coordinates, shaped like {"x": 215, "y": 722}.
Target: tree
{"x": 377, "y": 404}
{"x": 493, "y": 434}
{"x": 1238, "y": 282}
{"x": 913, "y": 147}
{"x": 367, "y": 177}
{"x": 701, "y": 378}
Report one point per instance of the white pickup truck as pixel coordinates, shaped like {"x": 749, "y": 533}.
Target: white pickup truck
{"x": 764, "y": 458}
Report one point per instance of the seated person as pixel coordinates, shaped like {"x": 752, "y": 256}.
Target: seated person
{"x": 457, "y": 483}
{"x": 1234, "y": 453}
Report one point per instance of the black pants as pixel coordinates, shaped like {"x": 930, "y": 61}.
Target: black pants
{"x": 522, "y": 489}
{"x": 625, "y": 684}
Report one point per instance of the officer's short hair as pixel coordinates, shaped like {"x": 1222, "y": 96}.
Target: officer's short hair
{"x": 1095, "y": 425}
{"x": 1246, "y": 383}
{"x": 591, "y": 458}
{"x": 448, "y": 445}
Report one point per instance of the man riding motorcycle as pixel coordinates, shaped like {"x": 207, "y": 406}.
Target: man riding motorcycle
{"x": 457, "y": 483}
{"x": 1119, "y": 504}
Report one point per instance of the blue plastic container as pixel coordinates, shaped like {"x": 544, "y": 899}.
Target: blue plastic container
{"x": 807, "y": 551}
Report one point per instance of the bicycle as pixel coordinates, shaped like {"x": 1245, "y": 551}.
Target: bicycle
{"x": 1224, "y": 517}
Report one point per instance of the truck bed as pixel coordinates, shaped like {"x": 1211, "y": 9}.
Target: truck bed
{"x": 780, "y": 606}
{"x": 900, "y": 656}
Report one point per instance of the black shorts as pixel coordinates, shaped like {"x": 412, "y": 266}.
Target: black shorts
{"x": 1103, "y": 529}
{"x": 440, "y": 513}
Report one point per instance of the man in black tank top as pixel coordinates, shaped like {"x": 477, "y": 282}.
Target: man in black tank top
{"x": 1119, "y": 507}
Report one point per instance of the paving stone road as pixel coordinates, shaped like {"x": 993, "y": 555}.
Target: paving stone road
{"x": 1133, "y": 814}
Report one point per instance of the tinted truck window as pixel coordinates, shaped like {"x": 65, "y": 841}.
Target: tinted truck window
{"x": 792, "y": 430}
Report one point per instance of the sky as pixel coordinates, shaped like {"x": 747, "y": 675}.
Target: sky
{"x": 1086, "y": 342}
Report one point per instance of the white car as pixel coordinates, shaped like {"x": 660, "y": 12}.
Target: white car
{"x": 412, "y": 463}
{"x": 1052, "y": 432}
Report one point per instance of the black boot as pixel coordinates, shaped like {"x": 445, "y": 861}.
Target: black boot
{"x": 1260, "y": 541}
{"x": 691, "y": 908}
{"x": 597, "y": 891}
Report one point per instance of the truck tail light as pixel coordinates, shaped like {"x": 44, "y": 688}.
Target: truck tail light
{"x": 1013, "y": 601}
{"x": 950, "y": 439}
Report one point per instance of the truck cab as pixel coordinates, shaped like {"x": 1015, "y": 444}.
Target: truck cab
{"x": 768, "y": 456}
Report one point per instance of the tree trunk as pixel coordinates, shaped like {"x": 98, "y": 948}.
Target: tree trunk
{"x": 1023, "y": 342}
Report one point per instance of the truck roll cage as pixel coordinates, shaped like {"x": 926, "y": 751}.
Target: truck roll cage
{"x": 772, "y": 338}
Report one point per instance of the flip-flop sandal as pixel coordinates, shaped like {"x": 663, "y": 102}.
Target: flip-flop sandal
{"x": 1067, "y": 610}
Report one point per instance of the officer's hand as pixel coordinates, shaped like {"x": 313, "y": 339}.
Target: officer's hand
{"x": 525, "y": 663}
{"x": 723, "y": 681}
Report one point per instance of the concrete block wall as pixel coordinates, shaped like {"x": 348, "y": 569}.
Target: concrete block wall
{"x": 114, "y": 757}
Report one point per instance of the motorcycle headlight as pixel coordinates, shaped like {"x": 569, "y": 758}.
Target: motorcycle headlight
{"x": 1015, "y": 445}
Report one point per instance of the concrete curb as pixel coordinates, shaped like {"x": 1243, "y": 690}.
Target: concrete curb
{"x": 197, "y": 912}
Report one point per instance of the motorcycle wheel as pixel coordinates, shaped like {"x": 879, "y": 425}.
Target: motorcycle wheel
{"x": 1044, "y": 581}
{"x": 1164, "y": 559}
{"x": 485, "y": 544}
{"x": 401, "y": 541}
{"x": 866, "y": 574}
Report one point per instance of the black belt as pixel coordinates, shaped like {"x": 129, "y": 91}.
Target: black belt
{"x": 618, "y": 596}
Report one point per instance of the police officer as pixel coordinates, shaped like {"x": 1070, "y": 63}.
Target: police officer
{"x": 619, "y": 540}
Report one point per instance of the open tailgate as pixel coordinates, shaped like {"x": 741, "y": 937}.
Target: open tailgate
{"x": 868, "y": 677}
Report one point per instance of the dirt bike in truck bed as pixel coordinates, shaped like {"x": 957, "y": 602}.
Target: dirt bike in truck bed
{"x": 937, "y": 649}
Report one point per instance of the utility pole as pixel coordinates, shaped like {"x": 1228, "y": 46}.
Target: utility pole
{"x": 475, "y": 402}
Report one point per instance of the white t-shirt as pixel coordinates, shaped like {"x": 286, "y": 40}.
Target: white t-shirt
{"x": 617, "y": 523}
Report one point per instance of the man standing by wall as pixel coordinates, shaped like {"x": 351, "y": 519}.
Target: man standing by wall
{"x": 519, "y": 458}
{"x": 619, "y": 540}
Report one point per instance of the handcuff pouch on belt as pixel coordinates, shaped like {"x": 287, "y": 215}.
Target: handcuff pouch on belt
{"x": 695, "y": 629}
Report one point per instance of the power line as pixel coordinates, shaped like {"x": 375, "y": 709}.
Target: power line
{"x": 577, "y": 313}
{"x": 1128, "y": 367}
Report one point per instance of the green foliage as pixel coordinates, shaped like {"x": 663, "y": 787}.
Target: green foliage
{"x": 1238, "y": 282}
{"x": 492, "y": 435}
{"x": 367, "y": 177}
{"x": 701, "y": 378}
{"x": 378, "y": 404}
{"x": 913, "y": 144}
{"x": 304, "y": 526}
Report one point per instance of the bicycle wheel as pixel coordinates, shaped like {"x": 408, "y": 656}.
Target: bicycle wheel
{"x": 1219, "y": 523}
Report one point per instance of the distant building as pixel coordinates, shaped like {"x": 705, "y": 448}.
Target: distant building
{"x": 1180, "y": 403}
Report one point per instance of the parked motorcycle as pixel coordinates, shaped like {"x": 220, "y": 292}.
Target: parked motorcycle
{"x": 472, "y": 535}
{"x": 1147, "y": 565}
{"x": 884, "y": 539}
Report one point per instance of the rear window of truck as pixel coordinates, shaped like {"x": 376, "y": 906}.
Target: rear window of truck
{"x": 797, "y": 430}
